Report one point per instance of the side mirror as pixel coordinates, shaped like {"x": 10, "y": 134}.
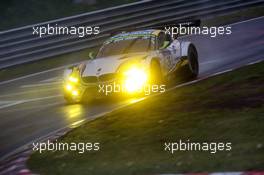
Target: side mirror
{"x": 91, "y": 55}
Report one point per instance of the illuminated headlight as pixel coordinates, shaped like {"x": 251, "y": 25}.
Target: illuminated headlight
{"x": 75, "y": 93}
{"x": 68, "y": 87}
{"x": 72, "y": 89}
{"x": 134, "y": 79}
{"x": 73, "y": 79}
{"x": 71, "y": 85}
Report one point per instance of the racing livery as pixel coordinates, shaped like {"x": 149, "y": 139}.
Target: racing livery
{"x": 131, "y": 60}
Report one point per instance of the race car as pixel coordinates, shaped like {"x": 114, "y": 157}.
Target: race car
{"x": 129, "y": 63}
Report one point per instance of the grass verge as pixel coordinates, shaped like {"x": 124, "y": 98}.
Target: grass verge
{"x": 226, "y": 108}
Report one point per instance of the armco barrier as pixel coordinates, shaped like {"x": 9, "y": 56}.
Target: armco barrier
{"x": 19, "y": 46}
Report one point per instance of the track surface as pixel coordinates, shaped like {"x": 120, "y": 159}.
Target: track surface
{"x": 32, "y": 107}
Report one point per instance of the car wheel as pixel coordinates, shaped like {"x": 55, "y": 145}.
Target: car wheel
{"x": 193, "y": 62}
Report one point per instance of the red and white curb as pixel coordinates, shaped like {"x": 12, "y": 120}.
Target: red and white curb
{"x": 224, "y": 173}
{"x": 15, "y": 163}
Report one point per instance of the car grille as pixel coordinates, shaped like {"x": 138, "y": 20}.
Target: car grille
{"x": 107, "y": 77}
{"x": 99, "y": 79}
{"x": 90, "y": 79}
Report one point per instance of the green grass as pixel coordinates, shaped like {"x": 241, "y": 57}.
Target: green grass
{"x": 226, "y": 108}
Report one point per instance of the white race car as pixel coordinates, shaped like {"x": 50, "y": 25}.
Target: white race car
{"x": 130, "y": 63}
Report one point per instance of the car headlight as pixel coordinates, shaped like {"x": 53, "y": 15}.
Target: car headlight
{"x": 134, "y": 79}
{"x": 75, "y": 92}
{"x": 73, "y": 79}
{"x": 68, "y": 87}
{"x": 71, "y": 85}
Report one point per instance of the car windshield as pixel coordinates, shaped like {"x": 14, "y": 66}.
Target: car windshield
{"x": 125, "y": 46}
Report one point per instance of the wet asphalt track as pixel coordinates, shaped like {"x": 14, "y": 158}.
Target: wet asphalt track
{"x": 33, "y": 107}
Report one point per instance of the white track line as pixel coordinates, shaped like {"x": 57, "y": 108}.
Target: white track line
{"x": 31, "y": 75}
{"x": 51, "y": 79}
{"x": 30, "y": 91}
{"x": 41, "y": 98}
{"x": 5, "y": 102}
{"x": 221, "y": 72}
{"x": 240, "y": 22}
{"x": 254, "y": 62}
{"x": 233, "y": 24}
{"x": 209, "y": 62}
{"x": 11, "y": 104}
{"x": 29, "y": 100}
{"x": 38, "y": 73}
{"x": 40, "y": 84}
{"x": 35, "y": 107}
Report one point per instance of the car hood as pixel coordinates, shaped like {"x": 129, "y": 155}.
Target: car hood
{"x": 105, "y": 65}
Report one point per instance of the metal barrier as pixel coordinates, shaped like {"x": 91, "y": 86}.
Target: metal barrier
{"x": 19, "y": 46}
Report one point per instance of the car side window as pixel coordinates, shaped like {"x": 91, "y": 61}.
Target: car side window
{"x": 168, "y": 37}
{"x": 164, "y": 40}
{"x": 161, "y": 39}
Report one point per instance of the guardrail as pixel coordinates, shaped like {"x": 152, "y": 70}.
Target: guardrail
{"x": 19, "y": 46}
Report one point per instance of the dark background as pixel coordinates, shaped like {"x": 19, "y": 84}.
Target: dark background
{"x": 16, "y": 13}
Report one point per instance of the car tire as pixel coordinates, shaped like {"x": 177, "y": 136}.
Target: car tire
{"x": 193, "y": 64}
{"x": 189, "y": 68}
